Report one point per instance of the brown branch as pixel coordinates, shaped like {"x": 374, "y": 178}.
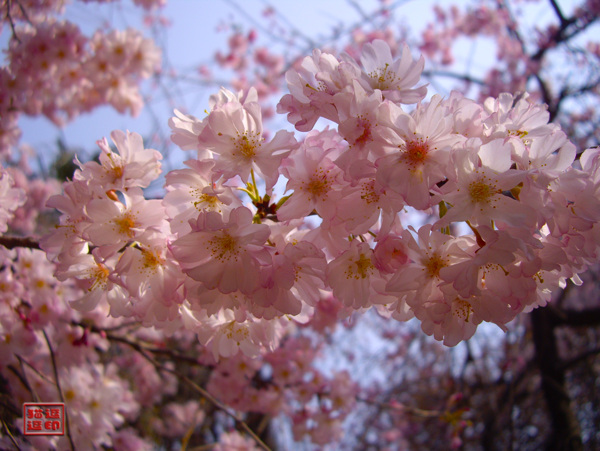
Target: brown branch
{"x": 547, "y": 97}
{"x": 565, "y": 431}
{"x": 399, "y": 407}
{"x": 557, "y": 10}
{"x": 23, "y": 379}
{"x": 576, "y": 92}
{"x": 60, "y": 393}
{"x": 106, "y": 331}
{"x": 42, "y": 376}
{"x": 505, "y": 399}
{"x": 575, "y": 318}
{"x": 565, "y": 365}
{"x": 10, "y": 242}
{"x": 11, "y": 21}
{"x": 7, "y": 432}
{"x": 447, "y": 74}
{"x": 140, "y": 349}
{"x": 561, "y": 35}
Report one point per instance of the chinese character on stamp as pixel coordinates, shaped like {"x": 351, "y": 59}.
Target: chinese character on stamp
{"x": 43, "y": 418}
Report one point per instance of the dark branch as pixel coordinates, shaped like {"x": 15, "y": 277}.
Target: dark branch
{"x": 58, "y": 388}
{"x": 10, "y": 242}
{"x": 143, "y": 352}
{"x": 11, "y": 22}
{"x": 462, "y": 77}
{"x": 583, "y": 356}
{"x": 565, "y": 433}
{"x": 563, "y": 34}
{"x": 557, "y": 10}
{"x": 576, "y": 318}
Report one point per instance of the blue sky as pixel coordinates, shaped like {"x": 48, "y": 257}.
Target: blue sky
{"x": 192, "y": 39}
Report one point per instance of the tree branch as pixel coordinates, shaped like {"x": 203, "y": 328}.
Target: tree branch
{"x": 11, "y": 21}
{"x": 565, "y": 432}
{"x": 557, "y": 10}
{"x": 561, "y": 35}
{"x": 565, "y": 365}
{"x": 10, "y": 242}
{"x": 447, "y": 74}
{"x": 576, "y": 318}
{"x": 140, "y": 349}
{"x": 58, "y": 387}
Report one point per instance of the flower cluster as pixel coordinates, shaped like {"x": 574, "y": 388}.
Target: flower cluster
{"x": 40, "y": 337}
{"x": 514, "y": 216}
{"x": 53, "y": 69}
{"x": 287, "y": 381}
{"x": 11, "y": 198}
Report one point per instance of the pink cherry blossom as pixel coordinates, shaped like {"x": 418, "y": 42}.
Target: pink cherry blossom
{"x": 478, "y": 196}
{"x": 394, "y": 78}
{"x": 191, "y": 191}
{"x": 418, "y": 155}
{"x": 115, "y": 224}
{"x": 234, "y": 132}
{"x": 224, "y": 255}
{"x": 312, "y": 87}
{"x": 10, "y": 199}
{"x": 313, "y": 176}
{"x": 354, "y": 278}
{"x": 132, "y": 166}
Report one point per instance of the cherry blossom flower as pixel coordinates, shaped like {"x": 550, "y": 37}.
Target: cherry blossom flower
{"x": 357, "y": 268}
{"x": 191, "y": 191}
{"x": 390, "y": 254}
{"x": 354, "y": 278}
{"x": 67, "y": 239}
{"x": 133, "y": 166}
{"x": 227, "y": 333}
{"x": 153, "y": 279}
{"x": 10, "y": 199}
{"x": 95, "y": 413}
{"x": 179, "y": 418}
{"x": 185, "y": 130}
{"x": 312, "y": 88}
{"x": 233, "y": 440}
{"x": 433, "y": 253}
{"x": 422, "y": 150}
{"x": 449, "y": 319}
{"x": 239, "y": 276}
{"x": 93, "y": 276}
{"x": 394, "y": 78}
{"x": 115, "y": 224}
{"x": 234, "y": 132}
{"x": 316, "y": 180}
{"x": 478, "y": 196}
{"x": 224, "y": 255}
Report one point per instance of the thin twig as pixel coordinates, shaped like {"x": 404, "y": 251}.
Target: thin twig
{"x": 11, "y": 22}
{"x": 575, "y": 360}
{"x": 143, "y": 347}
{"x": 203, "y": 447}
{"x": 136, "y": 346}
{"x": 12, "y": 439}
{"x": 447, "y": 74}
{"x": 557, "y": 10}
{"x": 90, "y": 326}
{"x": 221, "y": 406}
{"x": 34, "y": 394}
{"x": 34, "y": 369}
{"x": 404, "y": 408}
{"x": 358, "y": 8}
{"x": 60, "y": 393}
